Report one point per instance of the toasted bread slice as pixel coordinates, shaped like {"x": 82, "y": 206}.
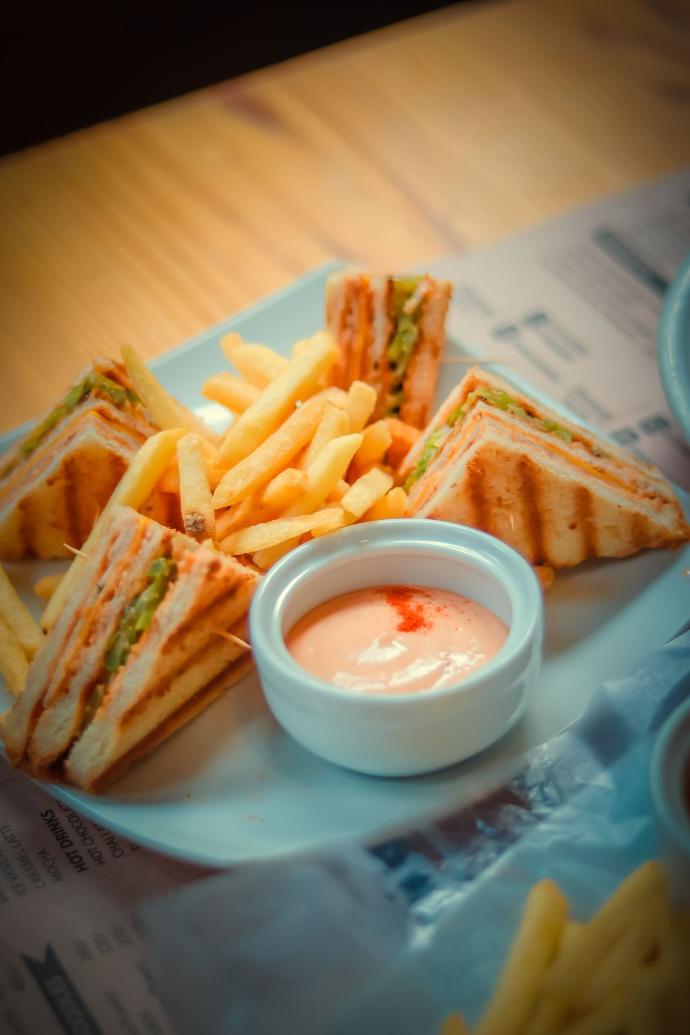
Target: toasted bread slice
{"x": 81, "y": 715}
{"x": 362, "y": 314}
{"x": 52, "y": 487}
{"x": 503, "y": 463}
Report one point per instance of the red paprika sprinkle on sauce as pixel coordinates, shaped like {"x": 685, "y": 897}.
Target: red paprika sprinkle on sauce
{"x": 411, "y": 606}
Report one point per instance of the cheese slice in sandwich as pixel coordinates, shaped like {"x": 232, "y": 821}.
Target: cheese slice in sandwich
{"x": 390, "y": 332}
{"x": 57, "y": 479}
{"x": 154, "y": 633}
{"x": 497, "y": 460}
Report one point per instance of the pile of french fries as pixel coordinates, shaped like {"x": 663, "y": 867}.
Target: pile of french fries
{"x": 299, "y": 459}
{"x": 20, "y": 636}
{"x": 626, "y": 972}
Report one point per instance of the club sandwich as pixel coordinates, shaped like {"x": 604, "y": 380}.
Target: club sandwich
{"x": 390, "y": 333}
{"x": 57, "y": 479}
{"x": 498, "y": 460}
{"x": 154, "y": 632}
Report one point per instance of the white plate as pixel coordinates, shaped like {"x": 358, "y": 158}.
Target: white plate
{"x": 233, "y": 786}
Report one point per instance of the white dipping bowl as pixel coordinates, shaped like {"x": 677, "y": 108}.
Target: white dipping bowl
{"x": 399, "y": 734}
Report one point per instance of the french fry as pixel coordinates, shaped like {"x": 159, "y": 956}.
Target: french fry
{"x": 546, "y": 575}
{"x": 257, "y": 364}
{"x": 332, "y": 519}
{"x": 170, "y": 480}
{"x": 535, "y": 944}
{"x": 18, "y": 618}
{"x": 46, "y": 586}
{"x": 269, "y": 533}
{"x": 403, "y": 437}
{"x": 375, "y": 442}
{"x": 265, "y": 503}
{"x": 167, "y": 412}
{"x": 14, "y": 664}
{"x": 366, "y": 491}
{"x": 133, "y": 489}
{"x": 230, "y": 391}
{"x": 196, "y": 507}
{"x": 626, "y": 955}
{"x": 334, "y": 423}
{"x": 338, "y": 396}
{"x": 573, "y": 966}
{"x": 323, "y": 474}
{"x": 277, "y": 400}
{"x": 361, "y": 400}
{"x": 392, "y": 505}
{"x": 338, "y": 491}
{"x": 274, "y": 453}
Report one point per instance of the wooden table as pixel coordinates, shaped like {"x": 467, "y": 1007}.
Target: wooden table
{"x": 441, "y": 134}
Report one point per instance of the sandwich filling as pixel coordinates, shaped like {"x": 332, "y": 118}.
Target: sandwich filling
{"x": 501, "y": 400}
{"x": 407, "y": 294}
{"x": 94, "y": 383}
{"x": 138, "y": 615}
{"x": 136, "y": 619}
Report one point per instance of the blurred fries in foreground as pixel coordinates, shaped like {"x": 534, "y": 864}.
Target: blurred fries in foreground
{"x": 625, "y": 972}
{"x": 20, "y": 636}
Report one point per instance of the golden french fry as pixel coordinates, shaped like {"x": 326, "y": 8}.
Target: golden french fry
{"x": 256, "y": 363}
{"x": 332, "y": 519}
{"x": 230, "y": 391}
{"x": 366, "y": 491}
{"x": 14, "y": 664}
{"x": 533, "y": 948}
{"x": 266, "y": 503}
{"x": 258, "y": 537}
{"x": 170, "y": 480}
{"x": 323, "y": 474}
{"x": 573, "y": 966}
{"x": 196, "y": 506}
{"x": 403, "y": 437}
{"x": 361, "y": 400}
{"x": 337, "y": 396}
{"x": 625, "y": 956}
{"x": 392, "y": 505}
{"x": 338, "y": 491}
{"x": 277, "y": 400}
{"x": 133, "y": 489}
{"x": 571, "y": 931}
{"x": 18, "y": 618}
{"x": 167, "y": 412}
{"x": 46, "y": 586}
{"x": 274, "y": 453}
{"x": 375, "y": 442}
{"x": 334, "y": 423}
{"x": 546, "y": 575}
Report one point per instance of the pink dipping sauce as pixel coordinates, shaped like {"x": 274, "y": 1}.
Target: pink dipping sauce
{"x": 396, "y": 639}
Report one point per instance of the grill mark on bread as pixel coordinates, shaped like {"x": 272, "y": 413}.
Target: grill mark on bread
{"x": 530, "y": 486}
{"x": 476, "y": 480}
{"x": 91, "y": 627}
{"x": 585, "y": 521}
{"x": 26, "y": 524}
{"x": 157, "y": 687}
{"x": 239, "y": 667}
{"x": 38, "y": 707}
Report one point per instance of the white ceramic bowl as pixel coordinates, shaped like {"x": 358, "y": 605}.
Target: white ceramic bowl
{"x": 669, "y": 770}
{"x": 406, "y": 734}
{"x": 674, "y": 347}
